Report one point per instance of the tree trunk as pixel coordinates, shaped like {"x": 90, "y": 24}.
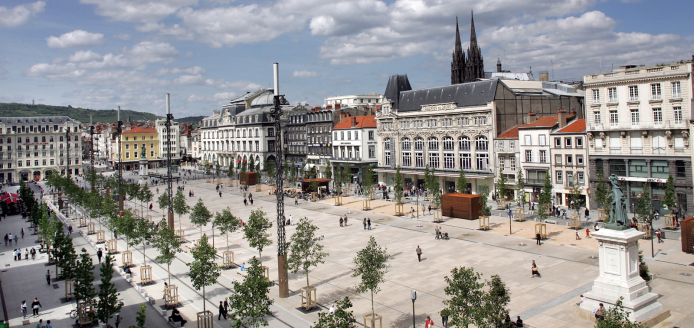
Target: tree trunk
{"x": 307, "y": 284}
{"x": 144, "y": 257}
{"x": 204, "y": 303}
{"x": 372, "y": 304}
{"x": 260, "y": 254}
{"x": 213, "y": 236}
{"x": 168, "y": 269}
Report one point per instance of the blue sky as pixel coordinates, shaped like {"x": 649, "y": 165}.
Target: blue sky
{"x": 106, "y": 53}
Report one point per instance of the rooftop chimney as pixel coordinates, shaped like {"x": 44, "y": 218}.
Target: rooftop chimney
{"x": 561, "y": 118}
{"x": 354, "y": 121}
{"x": 531, "y": 117}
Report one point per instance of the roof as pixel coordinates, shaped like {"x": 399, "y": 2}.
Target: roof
{"x": 576, "y": 126}
{"x": 362, "y": 122}
{"x": 477, "y": 93}
{"x": 396, "y": 85}
{"x": 34, "y": 120}
{"x": 140, "y": 129}
{"x": 510, "y": 134}
{"x": 544, "y": 121}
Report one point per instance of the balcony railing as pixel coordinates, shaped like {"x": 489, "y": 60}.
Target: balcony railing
{"x": 535, "y": 181}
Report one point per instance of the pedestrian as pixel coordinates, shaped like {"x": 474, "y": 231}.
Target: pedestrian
{"x": 221, "y": 311}
{"x": 600, "y": 313}
{"x": 5, "y": 239}
{"x": 657, "y": 234}
{"x": 165, "y": 287}
{"x": 535, "y": 271}
{"x": 22, "y": 233}
{"x": 340, "y": 221}
{"x": 99, "y": 254}
{"x": 429, "y": 209}
{"x": 587, "y": 213}
{"x": 220, "y": 196}
{"x": 26, "y": 253}
{"x": 251, "y": 201}
{"x": 226, "y": 307}
{"x": 35, "y": 306}
{"x": 577, "y": 236}
{"x": 368, "y": 223}
{"x": 10, "y": 239}
{"x": 538, "y": 236}
{"x": 49, "y": 325}
{"x": 118, "y": 319}
{"x": 290, "y": 217}
{"x": 519, "y": 322}
{"x": 69, "y": 229}
{"x": 510, "y": 214}
{"x": 436, "y": 231}
{"x": 429, "y": 323}
{"x": 444, "y": 320}
{"x": 245, "y": 202}
{"x": 583, "y": 299}
{"x": 16, "y": 239}
{"x": 23, "y": 309}
{"x": 19, "y": 254}
{"x": 48, "y": 277}
{"x": 14, "y": 252}
{"x": 39, "y": 324}
{"x": 296, "y": 200}
{"x": 364, "y": 223}
{"x": 419, "y": 253}
{"x": 150, "y": 206}
{"x": 33, "y": 253}
{"x": 587, "y": 232}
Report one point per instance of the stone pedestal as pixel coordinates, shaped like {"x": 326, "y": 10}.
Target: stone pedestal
{"x": 619, "y": 276}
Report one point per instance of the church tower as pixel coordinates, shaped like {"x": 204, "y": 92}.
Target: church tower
{"x": 474, "y": 65}
{"x": 458, "y": 62}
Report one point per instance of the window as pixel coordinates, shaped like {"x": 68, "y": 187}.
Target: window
{"x": 612, "y": 95}
{"x": 579, "y": 142}
{"x": 614, "y": 118}
{"x": 678, "y": 114}
{"x": 465, "y": 161}
{"x": 579, "y": 160}
{"x": 448, "y": 160}
{"x": 406, "y": 145}
{"x": 528, "y": 156}
{"x": 658, "y": 142}
{"x": 681, "y": 169}
{"x": 335, "y": 135}
{"x": 127, "y": 154}
{"x": 657, "y": 115}
{"x": 464, "y": 143}
{"x": 635, "y": 142}
{"x": 135, "y": 146}
{"x": 349, "y": 135}
{"x": 567, "y": 141}
{"x": 676, "y": 91}
{"x": 557, "y": 159}
{"x": 448, "y": 143}
{"x": 596, "y": 96}
{"x": 543, "y": 156}
{"x": 559, "y": 177}
{"x": 618, "y": 167}
{"x": 528, "y": 140}
{"x": 433, "y": 160}
{"x": 542, "y": 140}
{"x": 388, "y": 146}
{"x": 419, "y": 159}
{"x": 615, "y": 143}
{"x": 481, "y": 144}
{"x": 406, "y": 158}
{"x": 633, "y": 93}
{"x": 557, "y": 142}
{"x": 513, "y": 163}
{"x": 596, "y": 117}
{"x": 482, "y": 161}
{"x": 433, "y": 144}
{"x": 569, "y": 160}
{"x": 371, "y": 135}
{"x": 127, "y": 146}
{"x": 655, "y": 91}
{"x": 502, "y": 159}
{"x": 634, "y": 117}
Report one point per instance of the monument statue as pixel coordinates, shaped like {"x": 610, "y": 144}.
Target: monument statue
{"x": 618, "y": 214}
{"x": 144, "y": 152}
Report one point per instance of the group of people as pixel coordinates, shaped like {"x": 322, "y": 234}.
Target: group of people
{"x": 440, "y": 234}
{"x": 246, "y": 199}
{"x": 35, "y": 305}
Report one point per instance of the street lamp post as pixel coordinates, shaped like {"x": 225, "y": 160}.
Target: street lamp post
{"x": 169, "y": 173}
{"x": 276, "y": 112}
{"x": 413, "y": 295}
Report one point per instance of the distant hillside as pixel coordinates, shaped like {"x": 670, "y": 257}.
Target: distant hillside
{"x": 79, "y": 114}
{"x": 190, "y": 119}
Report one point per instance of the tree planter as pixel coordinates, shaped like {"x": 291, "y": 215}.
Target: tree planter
{"x": 69, "y": 289}
{"x": 601, "y": 214}
{"x": 367, "y": 204}
{"x": 100, "y": 236}
{"x": 519, "y": 214}
{"x": 257, "y": 188}
{"x": 51, "y": 259}
{"x": 644, "y": 227}
{"x": 148, "y": 218}
{"x": 266, "y": 272}
{"x": 112, "y": 246}
{"x": 127, "y": 259}
{"x": 181, "y": 234}
{"x": 575, "y": 221}
{"x": 437, "y": 216}
{"x": 398, "y": 209}
{"x": 670, "y": 221}
{"x": 91, "y": 228}
{"x": 83, "y": 222}
{"x": 484, "y": 222}
{"x": 84, "y": 313}
{"x": 145, "y": 274}
{"x": 171, "y": 295}
{"x": 541, "y": 228}
{"x": 228, "y": 259}
{"x": 338, "y": 200}
{"x": 373, "y": 321}
{"x": 308, "y": 297}
{"x": 205, "y": 319}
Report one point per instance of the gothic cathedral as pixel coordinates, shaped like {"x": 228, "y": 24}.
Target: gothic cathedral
{"x": 466, "y": 69}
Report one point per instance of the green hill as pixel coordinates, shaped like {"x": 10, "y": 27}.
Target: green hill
{"x": 190, "y": 119}
{"x": 79, "y": 114}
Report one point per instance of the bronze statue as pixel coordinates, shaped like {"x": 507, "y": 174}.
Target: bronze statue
{"x": 144, "y": 153}
{"x": 618, "y": 218}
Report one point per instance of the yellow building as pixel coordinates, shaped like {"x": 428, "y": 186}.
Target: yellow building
{"x": 132, "y": 142}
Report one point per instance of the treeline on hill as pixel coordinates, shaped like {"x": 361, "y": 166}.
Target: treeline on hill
{"x": 82, "y": 114}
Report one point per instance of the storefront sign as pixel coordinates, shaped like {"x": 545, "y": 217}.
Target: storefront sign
{"x": 437, "y": 107}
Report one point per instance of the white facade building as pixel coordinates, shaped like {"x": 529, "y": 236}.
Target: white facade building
{"x": 173, "y": 139}
{"x": 372, "y": 99}
{"x": 354, "y": 143}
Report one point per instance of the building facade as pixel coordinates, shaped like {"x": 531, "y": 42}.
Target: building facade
{"x": 131, "y": 144}
{"x": 32, "y": 148}
{"x": 354, "y": 145}
{"x": 296, "y": 149}
{"x": 370, "y": 100}
{"x": 639, "y": 129}
{"x": 170, "y": 143}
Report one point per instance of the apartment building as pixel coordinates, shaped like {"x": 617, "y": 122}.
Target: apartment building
{"x": 354, "y": 144}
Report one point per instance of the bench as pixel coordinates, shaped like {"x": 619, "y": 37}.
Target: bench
{"x": 551, "y": 221}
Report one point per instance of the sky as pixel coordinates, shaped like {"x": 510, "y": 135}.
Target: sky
{"x": 102, "y": 54}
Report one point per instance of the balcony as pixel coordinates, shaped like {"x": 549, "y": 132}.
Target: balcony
{"x": 535, "y": 182}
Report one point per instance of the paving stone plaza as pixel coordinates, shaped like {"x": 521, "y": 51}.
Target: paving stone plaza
{"x": 568, "y": 266}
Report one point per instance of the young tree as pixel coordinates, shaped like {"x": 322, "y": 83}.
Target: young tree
{"x": 462, "y": 182}
{"x": 494, "y": 302}
{"x": 603, "y": 195}
{"x": 143, "y": 234}
{"x": 338, "y": 181}
{"x": 502, "y": 186}
{"x": 108, "y": 303}
{"x": 367, "y": 182}
{"x": 305, "y": 249}
{"x": 163, "y": 202}
{"x": 84, "y": 278}
{"x": 617, "y": 317}
{"x": 340, "y": 319}
{"x": 545, "y": 201}
{"x": 643, "y": 268}
{"x": 200, "y": 215}
{"x": 255, "y": 231}
{"x": 644, "y": 205}
{"x": 243, "y": 170}
{"x": 204, "y": 271}
{"x": 217, "y": 169}
{"x": 520, "y": 189}
{"x": 146, "y": 196}
{"x": 180, "y": 206}
{"x": 141, "y": 317}
{"x": 347, "y": 173}
{"x": 126, "y": 225}
{"x": 371, "y": 265}
{"x": 313, "y": 186}
{"x": 230, "y": 171}
{"x": 485, "y": 209}
{"x": 167, "y": 243}
{"x": 227, "y": 223}
{"x": 328, "y": 173}
{"x": 464, "y": 287}
{"x": 399, "y": 182}
{"x": 292, "y": 173}
{"x": 670, "y": 199}
{"x": 251, "y": 164}
{"x": 250, "y": 305}
{"x": 575, "y": 189}
{"x": 270, "y": 167}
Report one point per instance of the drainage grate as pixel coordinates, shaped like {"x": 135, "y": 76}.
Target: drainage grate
{"x": 685, "y": 274}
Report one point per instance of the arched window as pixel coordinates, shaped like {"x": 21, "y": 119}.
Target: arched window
{"x": 406, "y": 145}
{"x": 448, "y": 143}
{"x": 418, "y": 144}
{"x": 418, "y": 152}
{"x": 433, "y": 144}
{"x": 481, "y": 143}
{"x": 464, "y": 143}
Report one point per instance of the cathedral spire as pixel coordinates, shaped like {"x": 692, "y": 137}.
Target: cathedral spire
{"x": 458, "y": 61}
{"x": 473, "y": 35}
{"x": 458, "y": 46}
{"x": 474, "y": 64}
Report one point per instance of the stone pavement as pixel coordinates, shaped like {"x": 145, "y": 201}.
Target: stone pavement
{"x": 25, "y": 280}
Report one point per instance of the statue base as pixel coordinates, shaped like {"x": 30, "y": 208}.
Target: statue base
{"x": 619, "y": 276}
{"x": 615, "y": 226}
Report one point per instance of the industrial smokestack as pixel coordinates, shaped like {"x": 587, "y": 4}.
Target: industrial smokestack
{"x": 276, "y": 73}
{"x": 118, "y": 113}
{"x": 168, "y": 104}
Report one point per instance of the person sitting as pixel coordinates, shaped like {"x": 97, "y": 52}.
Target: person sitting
{"x": 243, "y": 266}
{"x": 127, "y": 270}
{"x": 176, "y": 316}
{"x": 445, "y": 235}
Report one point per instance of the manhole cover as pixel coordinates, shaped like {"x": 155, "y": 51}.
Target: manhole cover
{"x": 685, "y": 274}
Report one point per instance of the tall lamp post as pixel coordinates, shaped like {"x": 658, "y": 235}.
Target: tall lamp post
{"x": 67, "y": 145}
{"x": 414, "y": 298}
{"x": 276, "y": 112}
{"x": 91, "y": 150}
{"x": 119, "y": 129}
{"x": 169, "y": 174}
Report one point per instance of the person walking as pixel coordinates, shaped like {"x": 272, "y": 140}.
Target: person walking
{"x": 23, "y": 308}
{"x": 118, "y": 319}
{"x": 99, "y": 254}
{"x": 10, "y": 239}
{"x": 290, "y": 217}
{"x": 19, "y": 254}
{"x": 364, "y": 223}
{"x": 419, "y": 253}
{"x": 226, "y": 307}
{"x": 22, "y": 233}
{"x": 221, "y": 311}
{"x": 340, "y": 221}
{"x": 35, "y": 306}
{"x": 48, "y": 277}
{"x": 26, "y": 253}
{"x": 429, "y": 323}
{"x": 577, "y": 236}
{"x": 6, "y": 239}
{"x": 33, "y": 253}
{"x": 538, "y": 236}
{"x": 444, "y": 320}
{"x": 535, "y": 270}
{"x": 16, "y": 239}
{"x": 368, "y": 223}
{"x": 296, "y": 200}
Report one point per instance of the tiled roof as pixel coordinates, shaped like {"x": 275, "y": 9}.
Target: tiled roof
{"x": 140, "y": 129}
{"x": 510, "y": 134}
{"x": 544, "y": 121}
{"x": 574, "y": 127}
{"x": 362, "y": 122}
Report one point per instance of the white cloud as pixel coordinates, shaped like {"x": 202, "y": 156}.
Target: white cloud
{"x": 138, "y": 11}
{"x": 20, "y": 14}
{"x": 221, "y": 97}
{"x": 12, "y": 98}
{"x": 178, "y": 70}
{"x": 84, "y": 56}
{"x": 241, "y": 85}
{"x": 224, "y": 96}
{"x": 122, "y": 36}
{"x": 196, "y": 80}
{"x": 74, "y": 39}
{"x": 194, "y": 98}
{"x": 304, "y": 74}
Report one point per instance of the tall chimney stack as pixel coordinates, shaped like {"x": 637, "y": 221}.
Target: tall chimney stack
{"x": 561, "y": 118}
{"x": 531, "y": 117}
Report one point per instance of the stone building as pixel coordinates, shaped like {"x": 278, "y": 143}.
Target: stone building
{"x": 638, "y": 120}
